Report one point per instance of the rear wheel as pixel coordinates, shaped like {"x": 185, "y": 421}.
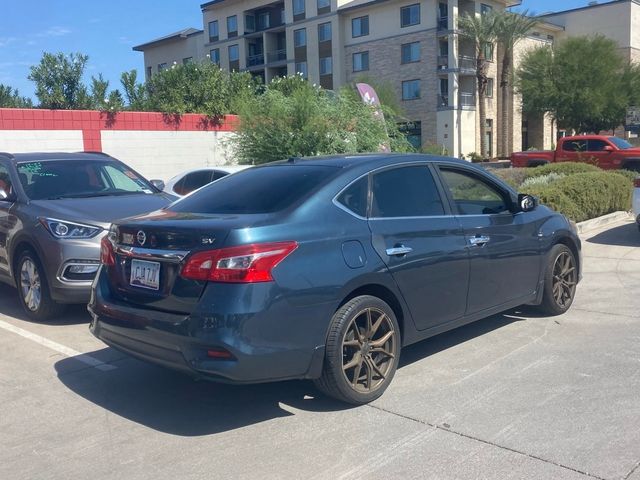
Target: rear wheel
{"x": 33, "y": 289}
{"x": 362, "y": 351}
{"x": 560, "y": 280}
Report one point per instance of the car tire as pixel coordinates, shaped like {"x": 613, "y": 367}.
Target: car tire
{"x": 362, "y": 351}
{"x": 560, "y": 281}
{"x": 33, "y": 288}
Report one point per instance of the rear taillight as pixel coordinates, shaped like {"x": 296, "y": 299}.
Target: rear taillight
{"x": 636, "y": 182}
{"x": 107, "y": 255}
{"x": 243, "y": 264}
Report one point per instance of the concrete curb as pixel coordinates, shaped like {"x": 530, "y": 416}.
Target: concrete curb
{"x": 603, "y": 221}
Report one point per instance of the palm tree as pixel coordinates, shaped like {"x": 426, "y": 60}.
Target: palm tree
{"x": 510, "y": 28}
{"x": 481, "y": 30}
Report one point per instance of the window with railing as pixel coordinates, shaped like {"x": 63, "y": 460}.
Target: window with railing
{"x": 466, "y": 62}
{"x": 277, "y": 55}
{"x": 467, "y": 99}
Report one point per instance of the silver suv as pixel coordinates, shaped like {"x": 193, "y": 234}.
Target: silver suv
{"x": 54, "y": 210}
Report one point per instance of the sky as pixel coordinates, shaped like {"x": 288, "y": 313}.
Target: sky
{"x": 106, "y": 31}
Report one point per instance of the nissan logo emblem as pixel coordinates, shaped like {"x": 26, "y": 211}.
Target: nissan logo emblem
{"x": 142, "y": 237}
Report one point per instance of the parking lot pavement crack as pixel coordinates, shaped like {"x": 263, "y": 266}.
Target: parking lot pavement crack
{"x": 635, "y": 467}
{"x": 635, "y": 317}
{"x": 487, "y": 442}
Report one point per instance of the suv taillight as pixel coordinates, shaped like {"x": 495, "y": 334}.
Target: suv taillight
{"x": 107, "y": 254}
{"x": 244, "y": 264}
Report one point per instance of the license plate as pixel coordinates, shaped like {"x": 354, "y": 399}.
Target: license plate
{"x": 145, "y": 274}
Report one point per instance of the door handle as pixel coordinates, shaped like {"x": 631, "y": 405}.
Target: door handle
{"x": 398, "y": 251}
{"x": 479, "y": 240}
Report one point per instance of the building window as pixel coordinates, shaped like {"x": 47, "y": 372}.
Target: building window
{"x": 360, "y": 26}
{"x": 488, "y": 51}
{"x": 298, "y": 7}
{"x": 162, "y": 66}
{"x": 234, "y": 53}
{"x": 413, "y": 132}
{"x": 485, "y": 9}
{"x": 149, "y": 72}
{"x": 489, "y": 92}
{"x": 264, "y": 20}
{"x": 360, "y": 61}
{"x": 300, "y": 37}
{"x": 301, "y": 68}
{"x": 187, "y": 60}
{"x": 410, "y": 89}
{"x": 410, "y": 52}
{"x": 326, "y": 66}
{"x": 213, "y": 31}
{"x": 214, "y": 55}
{"x": 324, "y": 32}
{"x": 410, "y": 15}
{"x": 489, "y": 137}
{"x": 323, "y": 5}
{"x": 232, "y": 26}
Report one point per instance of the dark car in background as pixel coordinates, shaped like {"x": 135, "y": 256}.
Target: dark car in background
{"x": 54, "y": 210}
{"x": 325, "y": 268}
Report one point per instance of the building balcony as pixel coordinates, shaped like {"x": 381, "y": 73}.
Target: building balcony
{"x": 467, "y": 100}
{"x": 277, "y": 56}
{"x": 443, "y": 100}
{"x": 255, "y": 60}
{"x": 443, "y": 23}
{"x": 443, "y": 62}
{"x": 467, "y": 64}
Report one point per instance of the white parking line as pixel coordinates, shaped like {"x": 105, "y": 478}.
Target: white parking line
{"x": 69, "y": 352}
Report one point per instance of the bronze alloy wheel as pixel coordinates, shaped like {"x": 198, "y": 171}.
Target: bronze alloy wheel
{"x": 368, "y": 350}
{"x": 564, "y": 279}
{"x": 362, "y": 351}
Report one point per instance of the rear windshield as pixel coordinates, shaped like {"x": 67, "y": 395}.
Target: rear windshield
{"x": 57, "y": 179}
{"x": 257, "y": 190}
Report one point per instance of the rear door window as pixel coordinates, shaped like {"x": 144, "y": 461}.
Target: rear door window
{"x": 575, "y": 146}
{"x": 258, "y": 190}
{"x": 355, "y": 197}
{"x": 405, "y": 192}
{"x": 195, "y": 180}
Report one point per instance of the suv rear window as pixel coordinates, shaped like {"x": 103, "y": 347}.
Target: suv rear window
{"x": 257, "y": 190}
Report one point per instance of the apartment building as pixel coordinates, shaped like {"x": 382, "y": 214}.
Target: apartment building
{"x": 413, "y": 45}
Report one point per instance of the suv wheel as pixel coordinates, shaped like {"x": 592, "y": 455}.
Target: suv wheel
{"x": 560, "y": 280}
{"x": 362, "y": 351}
{"x": 33, "y": 289}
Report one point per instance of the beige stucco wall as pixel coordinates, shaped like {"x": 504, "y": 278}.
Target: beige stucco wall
{"x": 174, "y": 50}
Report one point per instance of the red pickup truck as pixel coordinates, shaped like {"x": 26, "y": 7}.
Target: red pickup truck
{"x": 603, "y": 151}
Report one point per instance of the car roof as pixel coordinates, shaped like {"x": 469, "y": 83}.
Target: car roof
{"x": 369, "y": 160}
{"x": 52, "y": 156}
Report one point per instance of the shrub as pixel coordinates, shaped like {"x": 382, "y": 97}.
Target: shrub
{"x": 513, "y": 176}
{"x": 542, "y": 180}
{"x": 629, "y": 174}
{"x": 565, "y": 168}
{"x": 434, "y": 149}
{"x": 586, "y": 195}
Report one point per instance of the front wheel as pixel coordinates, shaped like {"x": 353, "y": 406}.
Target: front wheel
{"x": 362, "y": 351}
{"x": 560, "y": 280}
{"x": 33, "y": 289}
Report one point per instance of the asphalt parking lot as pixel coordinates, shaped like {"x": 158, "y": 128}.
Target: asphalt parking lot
{"x": 513, "y": 396}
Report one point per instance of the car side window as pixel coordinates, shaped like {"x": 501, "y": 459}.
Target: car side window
{"x": 472, "y": 195}
{"x": 218, "y": 175}
{"x": 195, "y": 180}
{"x": 354, "y": 198}
{"x": 405, "y": 192}
{"x": 597, "y": 145}
{"x": 5, "y": 180}
{"x": 575, "y": 146}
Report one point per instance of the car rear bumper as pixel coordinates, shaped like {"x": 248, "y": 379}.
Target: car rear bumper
{"x": 179, "y": 342}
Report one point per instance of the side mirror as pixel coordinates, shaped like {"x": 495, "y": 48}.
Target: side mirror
{"x": 159, "y": 184}
{"x": 607, "y": 148}
{"x": 527, "y": 203}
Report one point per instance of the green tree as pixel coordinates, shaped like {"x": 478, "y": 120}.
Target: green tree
{"x": 481, "y": 30}
{"x": 510, "y": 29}
{"x": 585, "y": 83}
{"x": 134, "y": 92}
{"x": 99, "y": 87}
{"x": 199, "y": 88}
{"x": 386, "y": 93}
{"x": 305, "y": 121}
{"x": 58, "y": 79}
{"x": 10, "y": 98}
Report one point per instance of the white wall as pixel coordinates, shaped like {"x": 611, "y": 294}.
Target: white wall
{"x": 21, "y": 141}
{"x": 163, "y": 154}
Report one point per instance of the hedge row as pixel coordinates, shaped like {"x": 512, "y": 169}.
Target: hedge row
{"x": 582, "y": 196}
{"x": 516, "y": 176}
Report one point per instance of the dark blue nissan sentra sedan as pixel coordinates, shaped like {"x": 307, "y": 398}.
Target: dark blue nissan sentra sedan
{"x": 324, "y": 268}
